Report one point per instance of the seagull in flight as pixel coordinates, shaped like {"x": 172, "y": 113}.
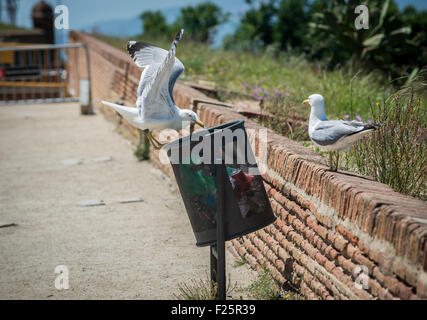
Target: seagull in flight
{"x": 333, "y": 135}
{"x": 155, "y": 106}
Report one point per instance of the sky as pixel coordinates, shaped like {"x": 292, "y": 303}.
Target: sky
{"x": 86, "y": 12}
{"x": 120, "y": 17}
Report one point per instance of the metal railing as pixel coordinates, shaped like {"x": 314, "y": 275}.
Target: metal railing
{"x": 41, "y": 74}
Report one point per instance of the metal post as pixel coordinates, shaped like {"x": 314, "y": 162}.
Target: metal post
{"x": 214, "y": 265}
{"x": 220, "y": 233}
{"x": 89, "y": 108}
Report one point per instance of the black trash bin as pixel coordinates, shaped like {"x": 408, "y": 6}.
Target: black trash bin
{"x": 195, "y": 159}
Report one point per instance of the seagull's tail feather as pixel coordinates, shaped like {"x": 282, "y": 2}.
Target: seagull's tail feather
{"x": 367, "y": 128}
{"x": 177, "y": 38}
{"x": 129, "y": 113}
{"x": 376, "y": 125}
{"x": 370, "y": 127}
{"x": 179, "y": 35}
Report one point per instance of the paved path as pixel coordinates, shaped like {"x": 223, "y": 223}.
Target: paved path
{"x": 139, "y": 250}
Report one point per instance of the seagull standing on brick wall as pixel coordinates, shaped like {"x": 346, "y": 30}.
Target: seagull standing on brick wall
{"x": 155, "y": 106}
{"x": 333, "y": 135}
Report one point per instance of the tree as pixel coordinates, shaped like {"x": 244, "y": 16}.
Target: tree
{"x": 200, "y": 21}
{"x": 381, "y": 46}
{"x": 281, "y": 23}
{"x": 154, "y": 24}
{"x": 255, "y": 29}
{"x": 291, "y": 28}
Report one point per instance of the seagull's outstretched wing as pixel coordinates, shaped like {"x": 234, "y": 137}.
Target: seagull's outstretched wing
{"x": 153, "y": 58}
{"x": 328, "y": 132}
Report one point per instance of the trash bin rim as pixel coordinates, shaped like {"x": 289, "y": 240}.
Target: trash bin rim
{"x": 239, "y": 234}
{"x": 227, "y": 125}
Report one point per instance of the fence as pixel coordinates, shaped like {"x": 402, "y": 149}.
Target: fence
{"x": 41, "y": 74}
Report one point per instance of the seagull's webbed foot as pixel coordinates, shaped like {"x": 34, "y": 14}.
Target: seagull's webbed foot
{"x": 156, "y": 143}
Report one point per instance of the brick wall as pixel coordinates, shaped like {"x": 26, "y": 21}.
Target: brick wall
{"x": 330, "y": 225}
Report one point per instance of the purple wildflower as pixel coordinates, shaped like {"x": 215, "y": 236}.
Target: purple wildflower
{"x": 287, "y": 94}
{"x": 278, "y": 92}
{"x": 347, "y": 117}
{"x": 245, "y": 84}
{"x": 358, "y": 118}
{"x": 264, "y": 91}
{"x": 256, "y": 97}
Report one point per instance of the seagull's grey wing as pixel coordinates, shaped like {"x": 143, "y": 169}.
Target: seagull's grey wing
{"x": 160, "y": 82}
{"x": 328, "y": 132}
{"x": 177, "y": 70}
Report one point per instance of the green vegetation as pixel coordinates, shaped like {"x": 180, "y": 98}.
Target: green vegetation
{"x": 199, "y": 22}
{"x": 285, "y": 50}
{"x": 239, "y": 263}
{"x": 142, "y": 151}
{"x": 202, "y": 289}
{"x": 154, "y": 24}
{"x": 266, "y": 288}
{"x": 263, "y": 288}
{"x": 396, "y": 153}
{"x": 395, "y": 42}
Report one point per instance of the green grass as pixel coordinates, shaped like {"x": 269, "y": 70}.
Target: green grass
{"x": 263, "y": 288}
{"x": 239, "y": 263}
{"x": 266, "y": 288}
{"x": 291, "y": 75}
{"x": 202, "y": 289}
{"x": 142, "y": 151}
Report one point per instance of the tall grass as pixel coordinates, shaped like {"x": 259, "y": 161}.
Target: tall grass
{"x": 396, "y": 153}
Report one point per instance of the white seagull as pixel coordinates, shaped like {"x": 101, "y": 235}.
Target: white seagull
{"x": 333, "y": 135}
{"x": 155, "y": 106}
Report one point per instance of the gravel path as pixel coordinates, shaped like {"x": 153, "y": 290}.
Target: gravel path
{"x": 52, "y": 159}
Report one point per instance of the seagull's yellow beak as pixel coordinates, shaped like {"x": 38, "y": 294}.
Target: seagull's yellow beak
{"x": 305, "y": 101}
{"x": 200, "y": 123}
